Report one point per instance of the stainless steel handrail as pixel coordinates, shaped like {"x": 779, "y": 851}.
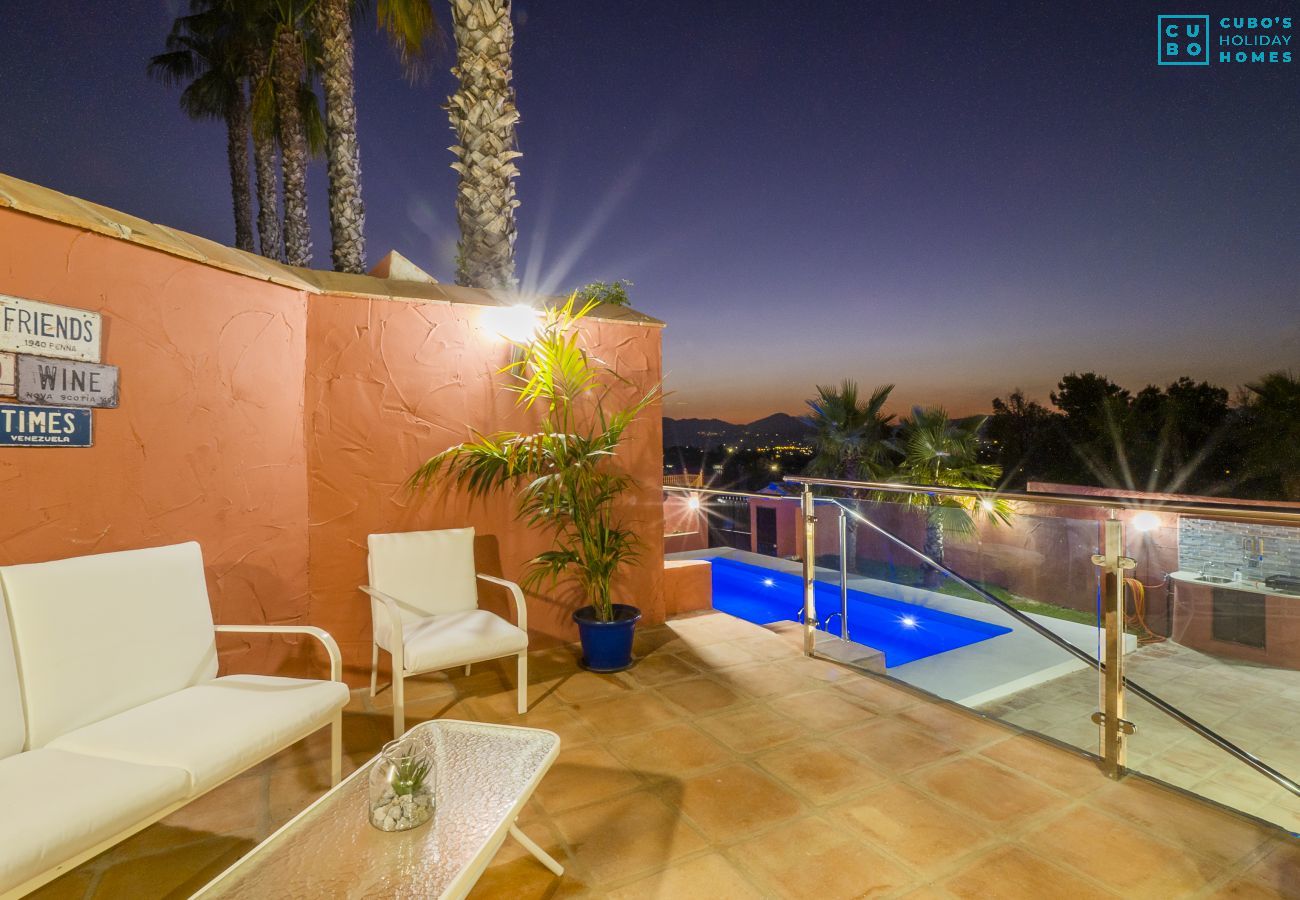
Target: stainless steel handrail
{"x": 682, "y": 489}
{"x": 1168, "y": 709}
{"x": 1218, "y": 510}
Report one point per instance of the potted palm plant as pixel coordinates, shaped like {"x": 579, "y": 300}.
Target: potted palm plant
{"x": 564, "y": 475}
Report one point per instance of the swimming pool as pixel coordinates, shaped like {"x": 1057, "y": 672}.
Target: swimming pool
{"x": 903, "y": 632}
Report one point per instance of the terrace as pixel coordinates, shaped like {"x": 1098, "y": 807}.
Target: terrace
{"x": 745, "y": 754}
{"x": 727, "y": 764}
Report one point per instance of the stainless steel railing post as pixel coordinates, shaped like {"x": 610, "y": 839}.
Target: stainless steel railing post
{"x": 1115, "y": 729}
{"x": 809, "y": 570}
{"x": 844, "y": 574}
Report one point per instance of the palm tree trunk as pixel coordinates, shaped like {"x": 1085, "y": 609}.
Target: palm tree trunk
{"x": 270, "y": 235}
{"x": 237, "y": 134}
{"x": 286, "y": 71}
{"x": 483, "y": 116}
{"x": 933, "y": 548}
{"x": 342, "y": 150}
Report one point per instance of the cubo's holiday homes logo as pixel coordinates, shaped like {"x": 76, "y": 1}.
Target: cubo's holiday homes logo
{"x": 1187, "y": 40}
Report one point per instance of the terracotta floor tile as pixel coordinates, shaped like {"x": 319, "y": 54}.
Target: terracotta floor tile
{"x": 678, "y": 750}
{"x": 1180, "y": 820}
{"x": 573, "y": 731}
{"x": 615, "y": 716}
{"x": 810, "y": 858}
{"x": 1279, "y": 869}
{"x": 661, "y": 668}
{"x": 911, "y": 826}
{"x": 1072, "y": 773}
{"x": 964, "y": 729}
{"x": 895, "y": 746}
{"x": 1013, "y": 873}
{"x": 583, "y": 775}
{"x": 706, "y": 878}
{"x": 988, "y": 792}
{"x": 822, "y": 711}
{"x": 818, "y": 770}
{"x": 750, "y": 729}
{"x": 629, "y": 834}
{"x": 526, "y": 877}
{"x": 699, "y": 696}
{"x": 72, "y": 886}
{"x": 178, "y": 873}
{"x": 765, "y": 680}
{"x": 731, "y": 802}
{"x": 877, "y": 695}
{"x": 1141, "y": 866}
{"x": 582, "y": 686}
{"x": 715, "y": 656}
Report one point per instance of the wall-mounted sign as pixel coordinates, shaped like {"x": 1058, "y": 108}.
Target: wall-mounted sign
{"x": 7, "y": 386}
{"x": 63, "y": 382}
{"x": 29, "y": 326}
{"x": 44, "y": 426}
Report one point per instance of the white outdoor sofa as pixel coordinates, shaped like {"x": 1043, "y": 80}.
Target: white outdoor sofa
{"x": 111, "y": 711}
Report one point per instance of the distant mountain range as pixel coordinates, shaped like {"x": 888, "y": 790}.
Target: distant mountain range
{"x": 778, "y": 427}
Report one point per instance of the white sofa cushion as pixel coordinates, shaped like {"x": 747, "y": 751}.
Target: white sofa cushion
{"x": 59, "y": 804}
{"x": 97, "y": 635}
{"x": 13, "y": 727}
{"x": 431, "y": 572}
{"x": 216, "y": 729}
{"x": 458, "y": 638}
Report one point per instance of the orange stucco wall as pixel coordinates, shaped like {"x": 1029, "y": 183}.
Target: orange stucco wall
{"x": 274, "y": 427}
{"x": 390, "y": 383}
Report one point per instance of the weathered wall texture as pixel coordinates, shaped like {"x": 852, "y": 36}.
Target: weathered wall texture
{"x": 389, "y": 384}
{"x": 274, "y": 426}
{"x": 207, "y": 444}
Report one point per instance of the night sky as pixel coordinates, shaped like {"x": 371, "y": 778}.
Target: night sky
{"x": 961, "y": 198}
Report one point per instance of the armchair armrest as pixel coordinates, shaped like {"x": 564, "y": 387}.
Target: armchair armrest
{"x": 516, "y": 595}
{"x": 394, "y": 612}
{"x": 320, "y": 634}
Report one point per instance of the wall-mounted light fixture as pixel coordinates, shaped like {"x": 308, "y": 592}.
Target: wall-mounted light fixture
{"x": 516, "y": 323}
{"x": 1146, "y": 521}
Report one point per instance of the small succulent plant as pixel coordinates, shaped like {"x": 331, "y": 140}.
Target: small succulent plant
{"x": 408, "y": 774}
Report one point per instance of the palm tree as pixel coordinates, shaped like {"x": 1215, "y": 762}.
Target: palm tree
{"x": 409, "y": 23}
{"x": 280, "y": 99}
{"x": 562, "y": 469}
{"x": 483, "y": 116}
{"x": 945, "y": 453}
{"x": 1273, "y": 407}
{"x": 270, "y": 229}
{"x": 204, "y": 50}
{"x": 850, "y": 441}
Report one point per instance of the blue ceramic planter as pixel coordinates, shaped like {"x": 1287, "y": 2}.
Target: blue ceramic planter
{"x": 607, "y": 646}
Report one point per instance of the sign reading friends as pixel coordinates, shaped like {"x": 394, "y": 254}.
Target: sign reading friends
{"x": 50, "y": 373}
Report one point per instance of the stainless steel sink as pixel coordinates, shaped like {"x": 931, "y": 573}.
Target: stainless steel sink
{"x": 1214, "y": 579}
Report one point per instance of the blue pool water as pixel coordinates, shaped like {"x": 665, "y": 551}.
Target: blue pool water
{"x": 904, "y": 632}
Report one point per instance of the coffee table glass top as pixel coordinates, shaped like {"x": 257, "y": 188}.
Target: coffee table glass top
{"x": 484, "y": 775}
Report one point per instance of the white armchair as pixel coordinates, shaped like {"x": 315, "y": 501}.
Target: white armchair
{"x": 424, "y": 611}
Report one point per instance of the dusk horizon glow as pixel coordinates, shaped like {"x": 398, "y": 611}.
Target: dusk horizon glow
{"x": 961, "y": 201}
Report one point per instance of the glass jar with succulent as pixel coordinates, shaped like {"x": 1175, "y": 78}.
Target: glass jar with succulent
{"x": 401, "y": 786}
{"x": 565, "y": 474}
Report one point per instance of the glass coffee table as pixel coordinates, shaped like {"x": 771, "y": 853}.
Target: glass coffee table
{"x": 483, "y": 776}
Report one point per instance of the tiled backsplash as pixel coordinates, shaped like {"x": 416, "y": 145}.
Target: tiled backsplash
{"x": 1203, "y": 541}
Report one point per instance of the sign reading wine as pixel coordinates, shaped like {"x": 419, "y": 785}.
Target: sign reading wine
{"x": 51, "y": 374}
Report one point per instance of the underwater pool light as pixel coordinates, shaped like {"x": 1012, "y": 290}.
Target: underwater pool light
{"x": 768, "y": 582}
{"x": 907, "y": 621}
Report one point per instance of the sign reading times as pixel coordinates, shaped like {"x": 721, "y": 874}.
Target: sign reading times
{"x": 44, "y": 426}
{"x": 29, "y": 326}
{"x": 64, "y": 382}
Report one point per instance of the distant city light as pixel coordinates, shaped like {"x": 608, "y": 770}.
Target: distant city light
{"x": 1145, "y": 521}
